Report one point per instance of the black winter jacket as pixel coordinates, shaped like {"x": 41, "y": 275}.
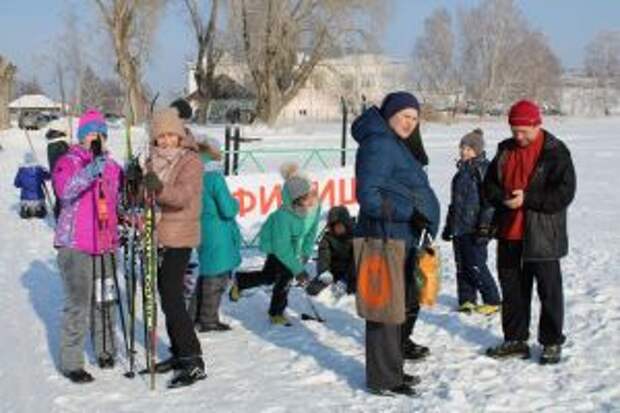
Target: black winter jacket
{"x": 547, "y": 197}
{"x": 468, "y": 210}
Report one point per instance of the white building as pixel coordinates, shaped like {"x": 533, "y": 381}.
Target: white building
{"x": 351, "y": 77}
{"x": 582, "y": 96}
{"x": 34, "y": 103}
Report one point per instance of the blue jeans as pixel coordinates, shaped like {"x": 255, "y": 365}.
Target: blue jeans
{"x": 472, "y": 272}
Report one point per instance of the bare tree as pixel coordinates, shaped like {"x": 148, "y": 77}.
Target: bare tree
{"x": 104, "y": 94}
{"x": 434, "y": 66}
{"x": 92, "y": 90}
{"x": 502, "y": 58}
{"x": 7, "y": 74}
{"x": 131, "y": 25}
{"x": 282, "y": 41}
{"x": 70, "y": 62}
{"x": 602, "y": 62}
{"x": 59, "y": 79}
{"x": 539, "y": 71}
{"x": 28, "y": 87}
{"x": 207, "y": 55}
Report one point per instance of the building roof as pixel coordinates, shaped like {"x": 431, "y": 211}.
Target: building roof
{"x": 34, "y": 102}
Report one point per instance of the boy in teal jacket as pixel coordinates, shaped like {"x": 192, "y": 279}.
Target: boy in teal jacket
{"x": 287, "y": 237}
{"x": 218, "y": 252}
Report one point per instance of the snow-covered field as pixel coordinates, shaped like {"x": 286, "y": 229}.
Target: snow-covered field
{"x": 320, "y": 367}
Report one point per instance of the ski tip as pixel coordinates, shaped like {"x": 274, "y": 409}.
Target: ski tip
{"x": 130, "y": 374}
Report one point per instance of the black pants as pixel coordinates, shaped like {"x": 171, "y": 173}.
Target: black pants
{"x": 26, "y": 212}
{"x": 385, "y": 342}
{"x": 183, "y": 341}
{"x": 274, "y": 272}
{"x": 412, "y": 293}
{"x": 472, "y": 272}
{"x": 516, "y": 280}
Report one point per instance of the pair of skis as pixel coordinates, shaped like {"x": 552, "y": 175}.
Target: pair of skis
{"x": 141, "y": 257}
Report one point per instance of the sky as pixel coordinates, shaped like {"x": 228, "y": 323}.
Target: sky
{"x": 29, "y": 29}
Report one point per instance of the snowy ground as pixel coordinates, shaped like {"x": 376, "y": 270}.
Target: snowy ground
{"x": 320, "y": 367}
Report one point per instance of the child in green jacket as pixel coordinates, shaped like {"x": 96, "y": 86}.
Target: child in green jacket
{"x": 220, "y": 241}
{"x": 287, "y": 237}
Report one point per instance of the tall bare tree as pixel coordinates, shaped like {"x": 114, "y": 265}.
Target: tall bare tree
{"x": 434, "y": 57}
{"x": 282, "y": 41}
{"x": 489, "y": 33}
{"x": 502, "y": 58}
{"x": 207, "y": 54}
{"x": 131, "y": 25}
{"x": 539, "y": 71}
{"x": 602, "y": 62}
{"x": 69, "y": 59}
{"x": 7, "y": 74}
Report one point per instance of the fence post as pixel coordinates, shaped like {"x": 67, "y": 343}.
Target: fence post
{"x": 343, "y": 145}
{"x": 227, "y": 151}
{"x": 237, "y": 144}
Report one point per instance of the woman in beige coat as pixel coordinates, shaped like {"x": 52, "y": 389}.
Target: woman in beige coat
{"x": 175, "y": 176}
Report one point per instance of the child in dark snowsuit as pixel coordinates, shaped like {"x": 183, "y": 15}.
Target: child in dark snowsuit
{"x": 335, "y": 263}
{"x": 468, "y": 226}
{"x": 30, "y": 179}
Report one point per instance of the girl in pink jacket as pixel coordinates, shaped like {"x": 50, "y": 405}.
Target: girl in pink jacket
{"x": 87, "y": 182}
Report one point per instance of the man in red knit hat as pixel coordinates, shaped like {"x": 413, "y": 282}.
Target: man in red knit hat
{"x": 531, "y": 182}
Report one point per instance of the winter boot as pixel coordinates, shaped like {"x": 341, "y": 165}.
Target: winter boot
{"x": 414, "y": 351}
{"x": 411, "y": 380}
{"x": 510, "y": 349}
{"x": 218, "y": 326}
{"x": 234, "y": 294}
{"x": 165, "y": 366}
{"x": 467, "y": 307}
{"x": 187, "y": 377}
{"x": 80, "y": 376}
{"x": 551, "y": 354}
{"x": 279, "y": 320}
{"x": 487, "y": 309}
{"x": 402, "y": 390}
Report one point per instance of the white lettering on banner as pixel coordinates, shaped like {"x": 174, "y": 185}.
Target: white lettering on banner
{"x": 261, "y": 194}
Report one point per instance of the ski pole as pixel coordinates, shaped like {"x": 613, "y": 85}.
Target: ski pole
{"x": 120, "y": 303}
{"x": 316, "y": 317}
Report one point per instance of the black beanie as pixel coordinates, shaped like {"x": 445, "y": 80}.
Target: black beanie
{"x": 397, "y": 101}
{"x": 183, "y": 107}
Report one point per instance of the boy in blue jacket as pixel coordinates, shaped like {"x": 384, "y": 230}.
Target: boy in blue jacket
{"x": 468, "y": 226}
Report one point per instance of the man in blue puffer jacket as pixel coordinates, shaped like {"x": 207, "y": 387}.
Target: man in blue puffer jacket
{"x": 396, "y": 198}
{"x": 30, "y": 179}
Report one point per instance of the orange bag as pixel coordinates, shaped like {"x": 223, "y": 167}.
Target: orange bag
{"x": 380, "y": 265}
{"x": 429, "y": 274}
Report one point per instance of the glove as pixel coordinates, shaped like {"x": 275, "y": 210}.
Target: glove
{"x": 153, "y": 183}
{"x": 326, "y": 277}
{"x": 419, "y": 221}
{"x": 134, "y": 172}
{"x": 96, "y": 166}
{"x": 339, "y": 289}
{"x": 315, "y": 286}
{"x": 483, "y": 235}
{"x": 446, "y": 234}
{"x": 302, "y": 278}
